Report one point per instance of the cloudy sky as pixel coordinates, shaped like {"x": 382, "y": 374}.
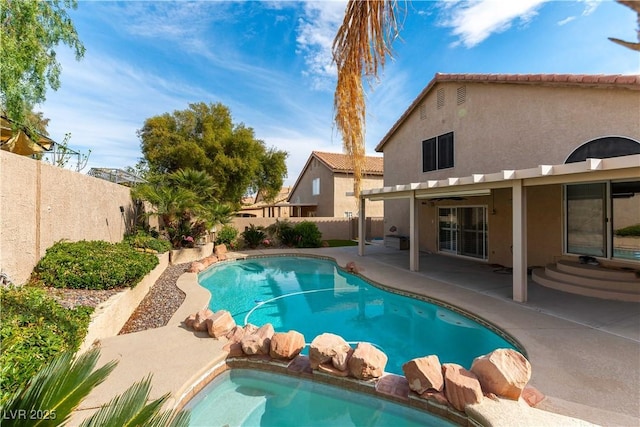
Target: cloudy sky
{"x": 270, "y": 63}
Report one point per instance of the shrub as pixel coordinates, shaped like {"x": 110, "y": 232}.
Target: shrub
{"x": 92, "y": 265}
{"x": 227, "y": 235}
{"x": 142, "y": 240}
{"x": 630, "y": 231}
{"x": 34, "y": 329}
{"x": 253, "y": 236}
{"x": 308, "y": 235}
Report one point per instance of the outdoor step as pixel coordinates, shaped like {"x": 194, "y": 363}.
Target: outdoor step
{"x": 575, "y": 268}
{"x": 555, "y": 272}
{"x": 540, "y": 277}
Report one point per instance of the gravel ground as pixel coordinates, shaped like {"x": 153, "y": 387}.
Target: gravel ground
{"x": 155, "y": 310}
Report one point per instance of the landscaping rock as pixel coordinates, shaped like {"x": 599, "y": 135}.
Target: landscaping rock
{"x": 220, "y": 252}
{"x": 326, "y": 346}
{"x": 258, "y": 342}
{"x": 188, "y": 322}
{"x": 328, "y": 368}
{"x": 367, "y": 362}
{"x": 196, "y": 267}
{"x": 461, "y": 387}
{"x": 200, "y": 322}
{"x": 341, "y": 360}
{"x": 504, "y": 372}
{"x": 220, "y": 324}
{"x": 286, "y": 345}
{"x": 424, "y": 373}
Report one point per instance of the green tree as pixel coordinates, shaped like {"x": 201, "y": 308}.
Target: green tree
{"x": 31, "y": 29}
{"x": 204, "y": 138}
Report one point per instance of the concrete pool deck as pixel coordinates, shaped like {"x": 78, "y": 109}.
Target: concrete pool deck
{"x": 585, "y": 352}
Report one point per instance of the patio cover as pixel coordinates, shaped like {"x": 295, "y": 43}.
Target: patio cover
{"x": 22, "y": 141}
{"x": 623, "y": 167}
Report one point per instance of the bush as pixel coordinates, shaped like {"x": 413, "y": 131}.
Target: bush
{"x": 630, "y": 231}
{"x": 285, "y": 233}
{"x": 253, "y": 236}
{"x": 308, "y": 235}
{"x": 142, "y": 240}
{"x": 92, "y": 265}
{"x": 227, "y": 235}
{"x": 34, "y": 329}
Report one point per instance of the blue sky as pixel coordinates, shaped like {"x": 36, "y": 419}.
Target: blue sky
{"x": 270, "y": 63}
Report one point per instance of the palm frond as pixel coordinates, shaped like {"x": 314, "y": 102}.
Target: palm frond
{"x": 59, "y": 388}
{"x": 131, "y": 409}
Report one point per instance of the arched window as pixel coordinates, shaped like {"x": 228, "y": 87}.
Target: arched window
{"x": 603, "y": 148}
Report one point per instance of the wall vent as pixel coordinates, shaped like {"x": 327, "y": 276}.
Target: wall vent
{"x": 423, "y": 111}
{"x": 461, "y": 95}
{"x": 440, "y": 98}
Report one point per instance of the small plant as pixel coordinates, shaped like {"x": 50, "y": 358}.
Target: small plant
{"x": 284, "y": 232}
{"x": 630, "y": 231}
{"x": 308, "y": 235}
{"x": 227, "y": 236}
{"x": 92, "y": 265}
{"x": 253, "y": 236}
{"x": 34, "y": 329}
{"x": 142, "y": 240}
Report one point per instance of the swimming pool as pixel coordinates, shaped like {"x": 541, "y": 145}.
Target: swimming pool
{"x": 256, "y": 398}
{"x": 314, "y": 296}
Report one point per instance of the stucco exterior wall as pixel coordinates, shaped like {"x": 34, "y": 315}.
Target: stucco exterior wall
{"x": 41, "y": 204}
{"x": 303, "y": 193}
{"x": 506, "y": 126}
{"x": 343, "y": 184}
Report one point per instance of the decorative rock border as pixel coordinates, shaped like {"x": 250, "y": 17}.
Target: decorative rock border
{"x": 445, "y": 390}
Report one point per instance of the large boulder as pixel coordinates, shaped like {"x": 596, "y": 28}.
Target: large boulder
{"x": 367, "y": 362}
{"x": 220, "y": 324}
{"x": 200, "y": 322}
{"x": 258, "y": 342}
{"x": 504, "y": 372}
{"x": 326, "y": 346}
{"x": 286, "y": 345}
{"x": 424, "y": 373}
{"x": 220, "y": 252}
{"x": 461, "y": 387}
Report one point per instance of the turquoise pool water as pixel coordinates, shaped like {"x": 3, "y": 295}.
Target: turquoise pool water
{"x": 249, "y": 398}
{"x": 314, "y": 296}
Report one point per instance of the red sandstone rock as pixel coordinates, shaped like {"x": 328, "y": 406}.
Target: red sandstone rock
{"x": 286, "y": 345}
{"x": 461, "y": 387}
{"x": 234, "y": 349}
{"x": 424, "y": 373}
{"x": 437, "y": 396}
{"x": 235, "y": 334}
{"x": 200, "y": 322}
{"x": 328, "y": 368}
{"x": 211, "y": 259}
{"x": 351, "y": 267}
{"x": 188, "y": 322}
{"x": 250, "y": 328}
{"x": 196, "y": 267}
{"x": 367, "y": 362}
{"x": 532, "y": 396}
{"x": 326, "y": 346}
{"x": 259, "y": 342}
{"x": 504, "y": 372}
{"x": 220, "y": 324}
{"x": 341, "y": 360}
{"x": 220, "y": 249}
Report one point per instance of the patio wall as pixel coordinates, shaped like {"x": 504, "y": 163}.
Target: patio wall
{"x": 330, "y": 227}
{"x": 41, "y": 204}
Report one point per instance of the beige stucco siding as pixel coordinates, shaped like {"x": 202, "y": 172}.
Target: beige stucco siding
{"x": 343, "y": 184}
{"x": 506, "y": 126}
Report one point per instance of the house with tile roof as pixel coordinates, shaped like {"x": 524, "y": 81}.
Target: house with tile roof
{"x": 521, "y": 171}
{"x": 258, "y": 207}
{"x": 324, "y": 184}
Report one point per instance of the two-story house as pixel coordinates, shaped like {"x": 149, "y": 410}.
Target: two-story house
{"x": 517, "y": 170}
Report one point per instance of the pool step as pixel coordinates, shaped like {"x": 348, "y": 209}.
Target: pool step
{"x": 589, "y": 280}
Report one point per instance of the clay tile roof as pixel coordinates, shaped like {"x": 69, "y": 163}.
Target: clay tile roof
{"x": 579, "y": 80}
{"x": 339, "y": 162}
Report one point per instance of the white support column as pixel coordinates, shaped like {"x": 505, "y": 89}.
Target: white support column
{"x": 519, "y": 211}
{"x": 414, "y": 253}
{"x": 362, "y": 226}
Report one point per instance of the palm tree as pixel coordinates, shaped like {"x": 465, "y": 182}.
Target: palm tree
{"x": 635, "y": 6}
{"x": 56, "y": 391}
{"x": 359, "y": 48}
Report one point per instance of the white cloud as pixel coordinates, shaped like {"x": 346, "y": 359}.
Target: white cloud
{"x": 589, "y": 7}
{"x": 474, "y": 21}
{"x": 315, "y": 33}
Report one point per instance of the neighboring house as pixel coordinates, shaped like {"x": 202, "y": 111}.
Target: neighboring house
{"x": 506, "y": 169}
{"x": 258, "y": 207}
{"x": 322, "y": 187}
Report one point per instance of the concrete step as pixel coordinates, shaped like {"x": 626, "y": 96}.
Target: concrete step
{"x": 596, "y": 271}
{"x": 539, "y": 276}
{"x": 555, "y": 272}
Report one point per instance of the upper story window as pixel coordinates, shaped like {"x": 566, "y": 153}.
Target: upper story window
{"x": 437, "y": 153}
{"x": 315, "y": 186}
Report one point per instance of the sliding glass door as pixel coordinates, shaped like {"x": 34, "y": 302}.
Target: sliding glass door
{"x": 463, "y": 231}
